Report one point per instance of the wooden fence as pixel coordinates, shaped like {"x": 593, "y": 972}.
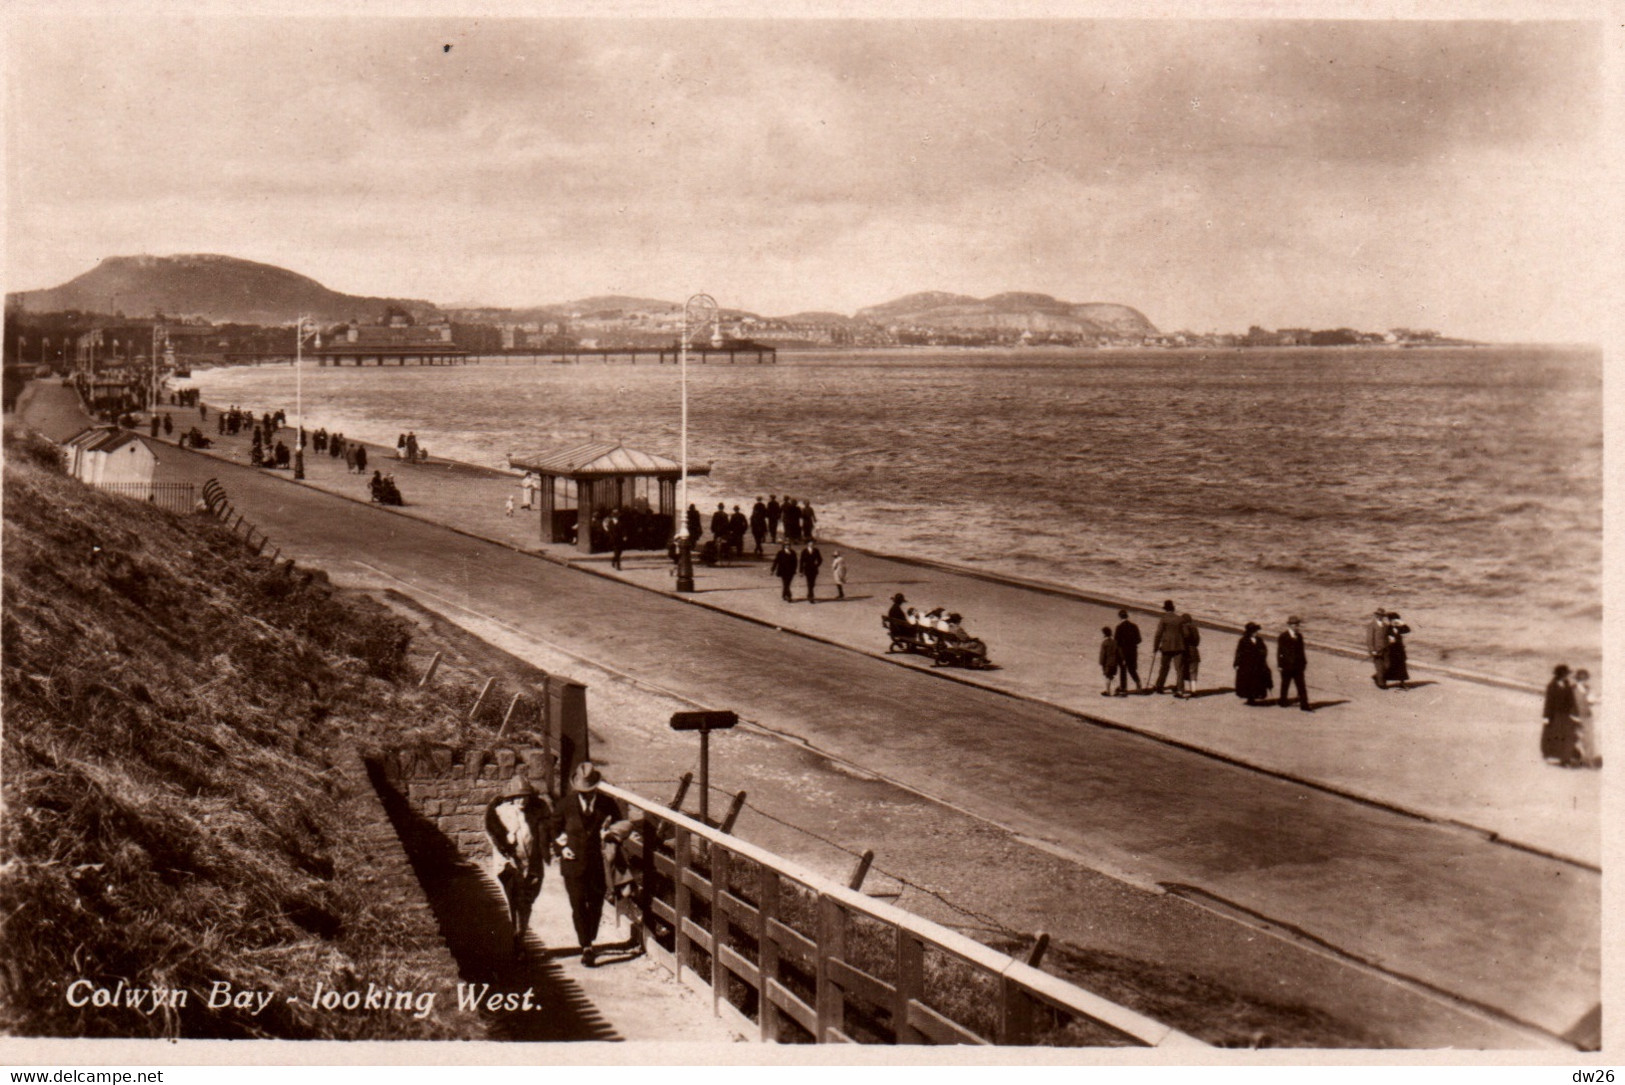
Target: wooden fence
{"x": 797, "y": 957}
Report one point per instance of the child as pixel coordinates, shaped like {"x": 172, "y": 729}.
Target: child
{"x": 1110, "y": 657}
{"x": 838, "y": 567}
{"x": 508, "y": 508}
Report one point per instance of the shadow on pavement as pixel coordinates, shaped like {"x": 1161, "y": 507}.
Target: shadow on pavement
{"x": 473, "y": 919}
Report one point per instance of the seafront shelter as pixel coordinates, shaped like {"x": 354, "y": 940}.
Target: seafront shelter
{"x": 583, "y": 484}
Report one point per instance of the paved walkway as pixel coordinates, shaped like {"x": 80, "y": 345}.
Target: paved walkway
{"x": 1498, "y": 926}
{"x": 1454, "y": 749}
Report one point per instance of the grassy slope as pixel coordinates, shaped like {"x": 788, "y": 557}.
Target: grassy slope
{"x": 173, "y": 705}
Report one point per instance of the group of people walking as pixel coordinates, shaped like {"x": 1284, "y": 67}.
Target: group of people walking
{"x": 1568, "y": 735}
{"x": 1178, "y": 640}
{"x": 787, "y": 564}
{"x": 584, "y": 832}
{"x": 728, "y": 529}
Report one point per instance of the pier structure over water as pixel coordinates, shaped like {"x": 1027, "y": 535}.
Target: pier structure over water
{"x": 731, "y": 353}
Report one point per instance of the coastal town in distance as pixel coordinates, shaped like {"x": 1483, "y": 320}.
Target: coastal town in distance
{"x": 841, "y": 590}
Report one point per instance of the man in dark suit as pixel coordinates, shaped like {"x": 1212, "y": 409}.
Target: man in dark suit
{"x": 585, "y": 818}
{"x": 1291, "y": 659}
{"x": 1127, "y": 636}
{"x": 784, "y": 567}
{"x": 811, "y": 562}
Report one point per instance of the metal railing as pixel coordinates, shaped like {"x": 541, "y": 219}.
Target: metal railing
{"x": 173, "y": 496}
{"x": 797, "y": 956}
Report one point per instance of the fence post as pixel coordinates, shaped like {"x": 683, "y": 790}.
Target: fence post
{"x": 681, "y": 898}
{"x": 479, "y": 702}
{"x": 428, "y": 675}
{"x": 910, "y": 985}
{"x": 860, "y": 870}
{"x": 508, "y": 715}
{"x": 719, "y": 925}
{"x": 1036, "y": 954}
{"x": 767, "y": 952}
{"x": 682, "y": 792}
{"x": 732, "y": 815}
{"x": 1015, "y": 1014}
{"x": 831, "y": 1000}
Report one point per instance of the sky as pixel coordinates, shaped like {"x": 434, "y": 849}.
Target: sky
{"x": 1212, "y": 174}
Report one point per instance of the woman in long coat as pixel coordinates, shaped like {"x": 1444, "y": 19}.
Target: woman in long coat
{"x": 1558, "y": 736}
{"x": 1397, "y": 671}
{"x": 1253, "y": 678}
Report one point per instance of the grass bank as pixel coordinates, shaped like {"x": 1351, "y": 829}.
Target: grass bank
{"x": 175, "y": 712}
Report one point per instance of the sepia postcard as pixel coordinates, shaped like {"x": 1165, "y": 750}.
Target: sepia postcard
{"x": 694, "y": 535}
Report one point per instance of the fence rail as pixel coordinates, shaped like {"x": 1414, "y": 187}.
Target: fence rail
{"x": 174, "y": 496}
{"x": 800, "y": 957}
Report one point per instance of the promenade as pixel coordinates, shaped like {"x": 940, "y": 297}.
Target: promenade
{"x": 1452, "y": 749}
{"x": 1199, "y": 804}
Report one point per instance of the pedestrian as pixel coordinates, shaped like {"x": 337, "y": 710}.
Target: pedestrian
{"x": 738, "y": 526}
{"x": 773, "y": 514}
{"x": 1111, "y": 658}
{"x": 154, "y": 433}
{"x": 837, "y": 570}
{"x": 758, "y": 524}
{"x": 1397, "y": 669}
{"x": 526, "y": 489}
{"x": 1586, "y": 747}
{"x": 1192, "y": 636}
{"x": 586, "y": 820}
{"x": 692, "y": 522}
{"x": 1169, "y": 640}
{"x": 616, "y": 527}
{"x": 1127, "y": 635}
{"x": 784, "y": 567}
{"x": 792, "y": 520}
{"x": 808, "y": 520}
{"x": 517, "y": 824}
{"x": 1253, "y": 680}
{"x": 375, "y": 486}
{"x": 1292, "y": 660}
{"x": 1558, "y": 737}
{"x": 508, "y": 506}
{"x": 411, "y": 448}
{"x": 811, "y": 562}
{"x": 360, "y": 458}
{"x": 400, "y": 447}
{"x": 897, "y": 614}
{"x": 1376, "y": 646}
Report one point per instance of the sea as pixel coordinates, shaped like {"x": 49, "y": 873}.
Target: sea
{"x": 1461, "y": 487}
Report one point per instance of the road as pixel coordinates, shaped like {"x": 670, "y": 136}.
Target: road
{"x": 1493, "y": 925}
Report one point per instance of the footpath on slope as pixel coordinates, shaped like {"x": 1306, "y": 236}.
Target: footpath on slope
{"x": 1452, "y": 749}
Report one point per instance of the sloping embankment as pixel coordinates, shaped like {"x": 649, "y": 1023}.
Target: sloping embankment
{"x": 180, "y": 716}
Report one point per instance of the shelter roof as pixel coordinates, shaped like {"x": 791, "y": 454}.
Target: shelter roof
{"x": 600, "y": 459}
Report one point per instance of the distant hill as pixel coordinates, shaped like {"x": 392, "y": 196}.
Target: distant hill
{"x": 1024, "y": 311}
{"x": 218, "y": 288}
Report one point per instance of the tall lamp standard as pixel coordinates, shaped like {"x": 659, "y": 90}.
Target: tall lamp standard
{"x": 701, "y": 308}
{"x": 299, "y": 398}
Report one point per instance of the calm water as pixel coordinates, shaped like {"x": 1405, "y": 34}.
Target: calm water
{"x": 1460, "y": 487}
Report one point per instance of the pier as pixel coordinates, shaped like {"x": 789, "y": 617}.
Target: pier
{"x": 730, "y": 354}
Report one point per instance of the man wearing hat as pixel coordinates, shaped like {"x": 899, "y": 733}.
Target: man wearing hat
{"x": 1376, "y": 646}
{"x": 584, "y": 818}
{"x": 1292, "y": 660}
{"x": 516, "y": 824}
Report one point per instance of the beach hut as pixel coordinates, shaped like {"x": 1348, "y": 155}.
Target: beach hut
{"x": 109, "y": 457}
{"x": 583, "y": 484}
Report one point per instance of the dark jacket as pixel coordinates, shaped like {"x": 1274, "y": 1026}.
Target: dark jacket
{"x": 1127, "y": 637}
{"x": 1110, "y": 655}
{"x": 583, "y": 833}
{"x": 784, "y": 564}
{"x": 758, "y": 519}
{"x": 1290, "y": 656}
{"x": 811, "y": 562}
{"x": 1253, "y": 678}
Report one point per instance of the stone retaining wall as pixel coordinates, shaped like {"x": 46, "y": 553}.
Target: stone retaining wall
{"x": 450, "y": 787}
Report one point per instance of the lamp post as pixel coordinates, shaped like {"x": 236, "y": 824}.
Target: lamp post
{"x": 299, "y": 399}
{"x": 701, "y": 307}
